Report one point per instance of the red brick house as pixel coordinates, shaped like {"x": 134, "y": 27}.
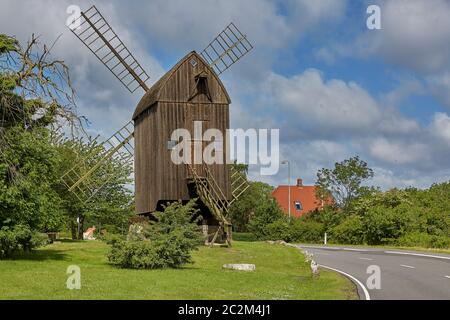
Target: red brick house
{"x": 303, "y": 199}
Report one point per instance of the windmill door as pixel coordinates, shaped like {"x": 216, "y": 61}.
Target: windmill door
{"x": 198, "y": 123}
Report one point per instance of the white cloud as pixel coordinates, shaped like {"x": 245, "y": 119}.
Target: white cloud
{"x": 414, "y": 34}
{"x": 389, "y": 179}
{"x": 440, "y": 87}
{"x": 393, "y": 124}
{"x": 333, "y": 106}
{"x": 398, "y": 152}
{"x": 405, "y": 88}
{"x": 440, "y": 127}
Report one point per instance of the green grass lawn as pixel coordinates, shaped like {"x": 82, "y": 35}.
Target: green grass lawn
{"x": 281, "y": 273}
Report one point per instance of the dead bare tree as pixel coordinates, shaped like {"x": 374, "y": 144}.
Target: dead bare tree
{"x": 43, "y": 80}
{"x": 36, "y": 90}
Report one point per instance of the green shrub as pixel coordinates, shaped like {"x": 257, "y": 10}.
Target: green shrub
{"x": 136, "y": 232}
{"x": 164, "y": 243}
{"x": 19, "y": 238}
{"x": 278, "y": 230}
{"x": 38, "y": 239}
{"x": 421, "y": 239}
{"x": 306, "y": 231}
{"x": 244, "y": 236}
{"x": 111, "y": 238}
{"x": 441, "y": 242}
{"x": 265, "y": 214}
{"x": 330, "y": 216}
{"x": 351, "y": 231}
{"x": 135, "y": 255}
{"x": 297, "y": 230}
{"x": 383, "y": 225}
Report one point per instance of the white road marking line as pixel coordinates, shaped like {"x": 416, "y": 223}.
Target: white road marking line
{"x": 448, "y": 277}
{"x": 320, "y": 248}
{"x": 351, "y": 249}
{"x": 418, "y": 254}
{"x": 406, "y": 266}
{"x": 368, "y": 259}
{"x": 366, "y": 292}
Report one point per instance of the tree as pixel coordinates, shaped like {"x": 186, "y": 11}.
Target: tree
{"x": 256, "y": 201}
{"x": 31, "y": 100}
{"x": 111, "y": 202}
{"x": 265, "y": 214}
{"x": 36, "y": 100}
{"x": 344, "y": 181}
{"x": 32, "y": 97}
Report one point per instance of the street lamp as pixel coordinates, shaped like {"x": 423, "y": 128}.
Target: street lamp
{"x": 289, "y": 186}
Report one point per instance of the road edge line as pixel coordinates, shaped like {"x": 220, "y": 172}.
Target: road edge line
{"x": 366, "y": 292}
{"x": 417, "y": 254}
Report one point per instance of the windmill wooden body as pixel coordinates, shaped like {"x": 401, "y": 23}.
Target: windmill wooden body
{"x": 189, "y": 94}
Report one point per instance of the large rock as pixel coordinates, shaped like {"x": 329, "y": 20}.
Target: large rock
{"x": 240, "y": 266}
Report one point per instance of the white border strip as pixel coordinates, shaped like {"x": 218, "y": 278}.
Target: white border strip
{"x": 355, "y": 249}
{"x": 366, "y": 292}
{"x": 417, "y": 254}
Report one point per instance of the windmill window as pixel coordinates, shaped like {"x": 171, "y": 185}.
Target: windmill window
{"x": 200, "y": 86}
{"x": 298, "y": 206}
{"x": 193, "y": 63}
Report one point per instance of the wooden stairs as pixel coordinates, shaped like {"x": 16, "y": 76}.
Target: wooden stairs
{"x": 214, "y": 198}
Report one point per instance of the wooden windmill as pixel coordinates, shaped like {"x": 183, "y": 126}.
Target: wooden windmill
{"x": 188, "y": 95}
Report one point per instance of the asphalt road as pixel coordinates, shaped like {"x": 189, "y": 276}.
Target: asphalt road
{"x": 404, "y": 275}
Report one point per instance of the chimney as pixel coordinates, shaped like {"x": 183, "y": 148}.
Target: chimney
{"x": 299, "y": 182}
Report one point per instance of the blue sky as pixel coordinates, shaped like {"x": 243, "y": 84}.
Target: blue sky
{"x": 334, "y": 88}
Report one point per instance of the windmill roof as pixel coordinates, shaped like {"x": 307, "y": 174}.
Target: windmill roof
{"x": 153, "y": 94}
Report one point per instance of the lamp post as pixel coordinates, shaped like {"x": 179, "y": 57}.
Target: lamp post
{"x": 289, "y": 186}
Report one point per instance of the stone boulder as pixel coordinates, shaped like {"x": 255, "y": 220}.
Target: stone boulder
{"x": 240, "y": 266}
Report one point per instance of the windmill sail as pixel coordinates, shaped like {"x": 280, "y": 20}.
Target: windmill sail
{"x": 94, "y": 172}
{"x": 95, "y": 32}
{"x": 226, "y": 49}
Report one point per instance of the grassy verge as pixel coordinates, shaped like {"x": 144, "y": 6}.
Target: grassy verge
{"x": 281, "y": 273}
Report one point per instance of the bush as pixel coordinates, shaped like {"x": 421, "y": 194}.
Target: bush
{"x": 441, "y": 242}
{"x": 111, "y": 238}
{"x": 135, "y": 255}
{"x": 421, "y": 239}
{"x": 165, "y": 243}
{"x": 297, "y": 230}
{"x": 383, "y": 225}
{"x": 19, "y": 238}
{"x": 136, "y": 232}
{"x": 278, "y": 230}
{"x": 306, "y": 231}
{"x": 38, "y": 239}
{"x": 351, "y": 231}
{"x": 244, "y": 236}
{"x": 265, "y": 214}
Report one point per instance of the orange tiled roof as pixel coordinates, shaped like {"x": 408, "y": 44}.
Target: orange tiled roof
{"x": 306, "y": 195}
